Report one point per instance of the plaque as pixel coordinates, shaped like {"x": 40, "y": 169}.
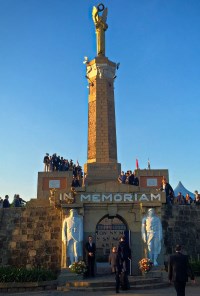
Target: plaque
{"x": 54, "y": 184}
{"x": 152, "y": 182}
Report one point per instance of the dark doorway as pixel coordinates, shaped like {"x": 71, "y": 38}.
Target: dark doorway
{"x": 108, "y": 232}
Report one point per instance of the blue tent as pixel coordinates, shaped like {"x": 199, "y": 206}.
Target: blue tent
{"x": 183, "y": 190}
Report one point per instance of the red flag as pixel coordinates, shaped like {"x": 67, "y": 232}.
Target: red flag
{"x": 137, "y": 164}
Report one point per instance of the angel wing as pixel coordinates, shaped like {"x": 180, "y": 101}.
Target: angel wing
{"x": 95, "y": 14}
{"x": 104, "y": 15}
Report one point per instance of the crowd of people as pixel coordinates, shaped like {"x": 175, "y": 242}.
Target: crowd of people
{"x": 180, "y": 199}
{"x": 17, "y": 202}
{"x": 119, "y": 260}
{"x": 57, "y": 163}
{"x": 128, "y": 178}
{"x": 60, "y": 164}
{"x": 120, "y": 265}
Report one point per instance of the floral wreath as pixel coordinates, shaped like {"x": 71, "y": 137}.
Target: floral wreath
{"x": 145, "y": 265}
{"x": 78, "y": 267}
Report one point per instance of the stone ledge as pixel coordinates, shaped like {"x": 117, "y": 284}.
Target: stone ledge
{"x": 28, "y": 286}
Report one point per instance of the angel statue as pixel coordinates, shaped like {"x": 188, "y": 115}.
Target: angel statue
{"x": 101, "y": 27}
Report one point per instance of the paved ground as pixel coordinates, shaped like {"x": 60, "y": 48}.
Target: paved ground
{"x": 190, "y": 291}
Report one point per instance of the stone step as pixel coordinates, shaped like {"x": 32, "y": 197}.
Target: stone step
{"x": 112, "y": 287}
{"x": 102, "y": 282}
{"x": 68, "y": 281}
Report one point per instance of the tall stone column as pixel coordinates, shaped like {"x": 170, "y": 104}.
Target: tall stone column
{"x": 102, "y": 144}
{"x": 101, "y": 163}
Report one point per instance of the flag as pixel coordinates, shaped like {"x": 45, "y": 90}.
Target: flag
{"x": 137, "y": 164}
{"x": 149, "y": 166}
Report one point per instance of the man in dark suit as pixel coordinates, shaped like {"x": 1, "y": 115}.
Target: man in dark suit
{"x": 124, "y": 253}
{"x": 178, "y": 271}
{"x": 90, "y": 249}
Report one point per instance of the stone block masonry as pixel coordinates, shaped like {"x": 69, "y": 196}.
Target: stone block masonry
{"x": 30, "y": 237}
{"x": 181, "y": 225}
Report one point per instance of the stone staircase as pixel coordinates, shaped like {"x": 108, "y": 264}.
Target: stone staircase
{"x": 71, "y": 282}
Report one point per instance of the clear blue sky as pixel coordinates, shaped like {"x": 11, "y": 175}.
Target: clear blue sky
{"x": 44, "y": 95}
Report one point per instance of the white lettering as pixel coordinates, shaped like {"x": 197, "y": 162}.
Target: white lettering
{"x": 124, "y": 197}
{"x": 85, "y": 197}
{"x": 155, "y": 196}
{"x": 96, "y": 197}
{"x": 135, "y": 197}
{"x": 144, "y": 197}
{"x": 117, "y": 197}
{"x": 105, "y": 197}
{"x": 67, "y": 196}
{"x": 128, "y": 197}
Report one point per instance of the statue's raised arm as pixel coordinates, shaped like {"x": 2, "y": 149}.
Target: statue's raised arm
{"x": 99, "y": 15}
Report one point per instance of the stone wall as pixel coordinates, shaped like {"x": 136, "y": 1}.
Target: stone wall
{"x": 181, "y": 225}
{"x": 30, "y": 237}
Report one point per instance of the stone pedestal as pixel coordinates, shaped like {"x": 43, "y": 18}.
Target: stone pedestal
{"x": 97, "y": 173}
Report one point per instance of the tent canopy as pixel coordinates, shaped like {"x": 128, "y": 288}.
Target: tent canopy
{"x": 183, "y": 190}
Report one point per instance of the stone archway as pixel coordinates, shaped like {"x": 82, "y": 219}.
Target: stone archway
{"x": 108, "y": 232}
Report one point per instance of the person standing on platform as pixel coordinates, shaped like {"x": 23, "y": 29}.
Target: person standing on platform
{"x": 178, "y": 271}
{"x": 6, "y": 203}
{"x": 166, "y": 187}
{"x": 90, "y": 250}
{"x": 116, "y": 266}
{"x": 124, "y": 253}
{"x": 46, "y": 162}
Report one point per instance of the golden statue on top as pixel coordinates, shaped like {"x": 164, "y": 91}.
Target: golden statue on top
{"x": 101, "y": 27}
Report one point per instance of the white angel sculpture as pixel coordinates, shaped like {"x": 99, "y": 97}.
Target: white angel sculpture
{"x": 101, "y": 27}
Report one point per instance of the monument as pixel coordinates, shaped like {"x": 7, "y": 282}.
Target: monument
{"x": 32, "y": 235}
{"x": 108, "y": 208}
{"x": 102, "y": 162}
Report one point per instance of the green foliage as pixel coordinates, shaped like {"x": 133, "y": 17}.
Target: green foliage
{"x": 14, "y": 274}
{"x": 195, "y": 267}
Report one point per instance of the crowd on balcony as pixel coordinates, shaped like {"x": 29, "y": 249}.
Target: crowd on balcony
{"x": 128, "y": 178}
{"x": 16, "y": 203}
{"x": 180, "y": 199}
{"x": 61, "y": 164}
{"x": 57, "y": 163}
